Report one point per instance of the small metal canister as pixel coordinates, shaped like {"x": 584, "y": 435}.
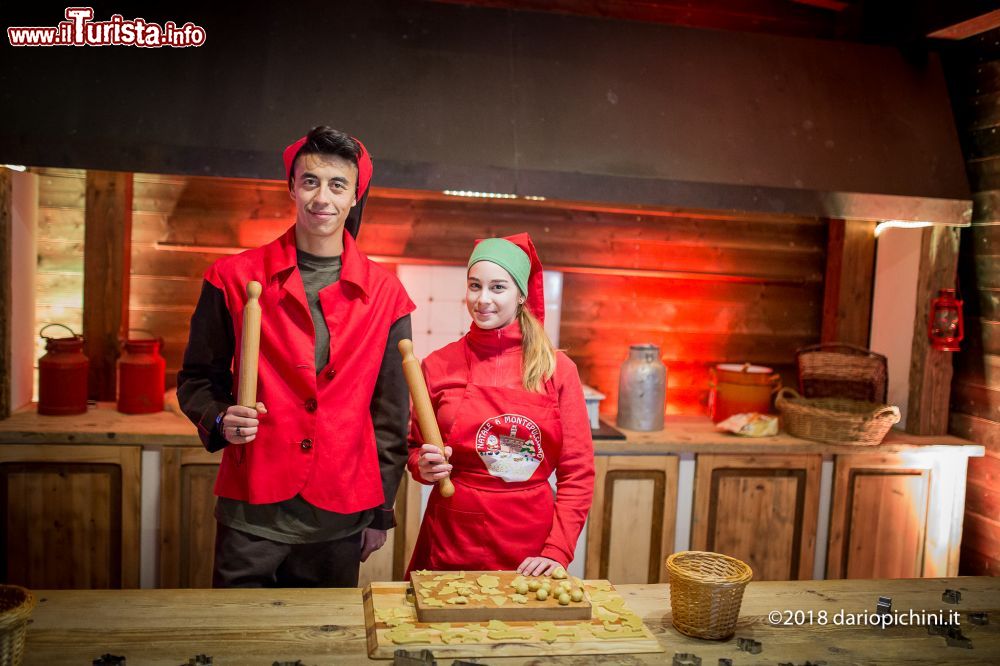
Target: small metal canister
{"x": 642, "y": 389}
{"x": 62, "y": 375}
{"x": 141, "y": 376}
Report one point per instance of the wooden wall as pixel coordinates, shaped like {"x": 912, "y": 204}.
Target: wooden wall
{"x": 974, "y": 75}
{"x": 59, "y": 274}
{"x": 707, "y": 288}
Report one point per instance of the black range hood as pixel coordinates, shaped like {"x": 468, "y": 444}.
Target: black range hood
{"x": 489, "y": 100}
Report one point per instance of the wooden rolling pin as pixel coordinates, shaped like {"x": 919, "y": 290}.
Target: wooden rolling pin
{"x": 250, "y": 347}
{"x": 422, "y": 405}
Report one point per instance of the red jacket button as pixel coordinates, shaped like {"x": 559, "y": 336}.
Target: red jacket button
{"x": 330, "y": 373}
{"x": 311, "y": 405}
{"x": 306, "y": 444}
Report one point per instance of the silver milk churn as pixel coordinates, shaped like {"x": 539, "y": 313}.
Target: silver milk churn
{"x": 642, "y": 389}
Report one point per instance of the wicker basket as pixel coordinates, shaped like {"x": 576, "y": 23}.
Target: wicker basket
{"x": 706, "y": 590}
{"x": 16, "y": 604}
{"x": 837, "y": 370}
{"x": 835, "y": 420}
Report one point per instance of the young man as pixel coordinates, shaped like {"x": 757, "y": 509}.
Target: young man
{"x": 308, "y": 478}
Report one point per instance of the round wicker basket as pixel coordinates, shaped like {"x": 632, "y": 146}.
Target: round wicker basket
{"x": 16, "y": 604}
{"x": 706, "y": 590}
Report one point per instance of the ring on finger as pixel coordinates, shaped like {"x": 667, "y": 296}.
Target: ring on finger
{"x": 237, "y": 431}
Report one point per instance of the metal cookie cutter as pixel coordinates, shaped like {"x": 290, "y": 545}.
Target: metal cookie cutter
{"x": 199, "y": 660}
{"x": 884, "y": 605}
{"x": 108, "y": 659}
{"x": 982, "y": 618}
{"x": 749, "y": 645}
{"x": 686, "y": 659}
{"x": 423, "y": 658}
{"x": 951, "y": 596}
{"x": 952, "y": 634}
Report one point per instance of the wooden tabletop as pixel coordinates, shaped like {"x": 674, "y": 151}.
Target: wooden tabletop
{"x": 168, "y": 627}
{"x": 102, "y": 424}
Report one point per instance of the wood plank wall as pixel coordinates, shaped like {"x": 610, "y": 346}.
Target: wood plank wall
{"x": 706, "y": 287}
{"x": 973, "y": 71}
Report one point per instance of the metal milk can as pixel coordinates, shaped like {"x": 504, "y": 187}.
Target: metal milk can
{"x": 642, "y": 389}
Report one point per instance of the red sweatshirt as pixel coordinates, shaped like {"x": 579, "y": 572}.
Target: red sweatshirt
{"x": 492, "y": 358}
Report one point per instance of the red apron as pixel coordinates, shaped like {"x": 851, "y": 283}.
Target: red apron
{"x": 505, "y": 443}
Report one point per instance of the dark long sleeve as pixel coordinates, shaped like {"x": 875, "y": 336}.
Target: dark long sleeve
{"x": 390, "y": 408}
{"x": 205, "y": 381}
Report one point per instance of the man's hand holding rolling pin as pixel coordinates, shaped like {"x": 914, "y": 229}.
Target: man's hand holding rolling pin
{"x": 238, "y": 424}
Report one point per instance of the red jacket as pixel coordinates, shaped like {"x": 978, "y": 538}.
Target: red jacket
{"x": 494, "y": 359}
{"x": 316, "y": 439}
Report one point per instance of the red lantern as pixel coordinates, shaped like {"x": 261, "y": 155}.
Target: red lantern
{"x": 946, "y": 327}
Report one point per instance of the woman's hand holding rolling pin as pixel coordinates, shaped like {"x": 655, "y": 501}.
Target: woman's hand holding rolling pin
{"x": 239, "y": 425}
{"x": 433, "y": 466}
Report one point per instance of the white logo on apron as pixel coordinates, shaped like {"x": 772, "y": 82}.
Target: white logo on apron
{"x": 510, "y": 445}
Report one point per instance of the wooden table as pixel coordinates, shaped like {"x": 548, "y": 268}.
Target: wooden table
{"x": 169, "y": 627}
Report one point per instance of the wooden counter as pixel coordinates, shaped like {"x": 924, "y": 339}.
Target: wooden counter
{"x": 168, "y": 627}
{"x": 792, "y": 508}
{"x": 682, "y": 434}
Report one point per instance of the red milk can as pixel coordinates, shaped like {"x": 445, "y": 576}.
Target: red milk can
{"x": 62, "y": 375}
{"x": 141, "y": 372}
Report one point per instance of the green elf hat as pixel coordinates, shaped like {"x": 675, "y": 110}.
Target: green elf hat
{"x": 516, "y": 255}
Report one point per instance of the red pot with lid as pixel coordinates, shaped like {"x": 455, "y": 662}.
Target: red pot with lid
{"x": 737, "y": 388}
{"x": 141, "y": 375}
{"x": 62, "y": 375}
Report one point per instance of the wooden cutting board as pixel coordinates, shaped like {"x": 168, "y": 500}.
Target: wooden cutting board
{"x": 489, "y": 595}
{"x": 391, "y": 624}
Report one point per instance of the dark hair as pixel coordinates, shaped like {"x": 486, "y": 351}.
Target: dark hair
{"x": 323, "y": 140}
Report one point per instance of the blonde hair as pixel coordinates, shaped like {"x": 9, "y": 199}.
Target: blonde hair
{"x": 539, "y": 356}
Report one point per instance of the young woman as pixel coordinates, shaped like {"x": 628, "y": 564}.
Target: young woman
{"x": 511, "y": 411}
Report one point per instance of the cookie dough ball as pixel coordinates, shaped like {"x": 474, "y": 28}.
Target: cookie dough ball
{"x": 576, "y": 595}
{"x": 533, "y": 585}
{"x": 542, "y": 594}
{"x": 563, "y": 599}
{"x": 559, "y": 573}
{"x": 522, "y": 588}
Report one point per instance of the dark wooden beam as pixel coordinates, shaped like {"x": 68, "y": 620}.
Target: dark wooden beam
{"x": 6, "y": 305}
{"x": 930, "y": 369}
{"x": 847, "y": 290}
{"x": 799, "y": 18}
{"x": 832, "y": 5}
{"x": 106, "y": 257}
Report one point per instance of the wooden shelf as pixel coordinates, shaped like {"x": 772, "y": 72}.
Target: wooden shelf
{"x": 102, "y": 424}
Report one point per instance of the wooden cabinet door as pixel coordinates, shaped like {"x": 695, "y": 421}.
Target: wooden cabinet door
{"x": 187, "y": 523}
{"x": 896, "y": 515}
{"x": 70, "y": 516}
{"x": 760, "y": 509}
{"x": 631, "y": 526}
{"x": 187, "y": 516}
